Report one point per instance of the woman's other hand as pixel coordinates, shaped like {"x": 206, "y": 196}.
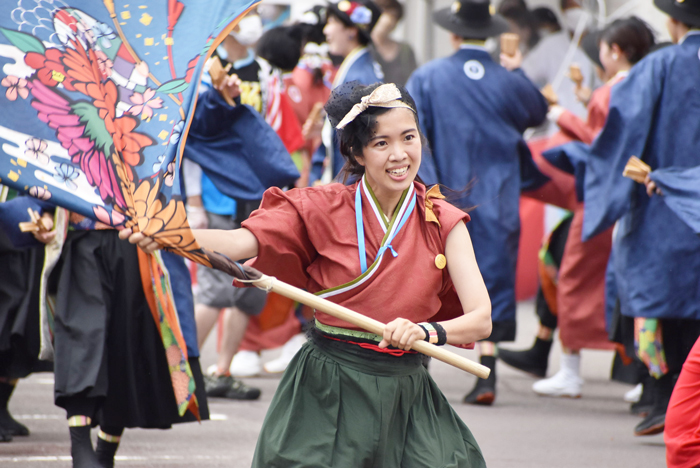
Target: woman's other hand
{"x": 147, "y": 244}
{"x": 401, "y": 333}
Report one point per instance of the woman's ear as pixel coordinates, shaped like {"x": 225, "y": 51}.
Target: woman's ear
{"x": 616, "y": 52}
{"x": 360, "y": 160}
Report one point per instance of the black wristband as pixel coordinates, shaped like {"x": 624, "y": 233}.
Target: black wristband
{"x": 427, "y": 333}
{"x": 439, "y": 335}
{"x": 442, "y": 334}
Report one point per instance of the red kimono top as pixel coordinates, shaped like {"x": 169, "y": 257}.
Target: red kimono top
{"x": 598, "y": 107}
{"x": 308, "y": 238}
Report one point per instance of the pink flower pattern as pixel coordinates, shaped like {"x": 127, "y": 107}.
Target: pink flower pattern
{"x": 145, "y": 103}
{"x": 35, "y": 151}
{"x": 40, "y": 193}
{"x": 15, "y": 87}
{"x": 169, "y": 175}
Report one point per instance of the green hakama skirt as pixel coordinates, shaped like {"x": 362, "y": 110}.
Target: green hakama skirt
{"x": 339, "y": 405}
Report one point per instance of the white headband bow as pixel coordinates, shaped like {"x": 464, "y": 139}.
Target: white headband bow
{"x": 386, "y": 95}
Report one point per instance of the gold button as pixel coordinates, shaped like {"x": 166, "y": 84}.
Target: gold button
{"x": 440, "y": 261}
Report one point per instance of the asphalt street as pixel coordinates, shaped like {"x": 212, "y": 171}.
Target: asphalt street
{"x": 521, "y": 430}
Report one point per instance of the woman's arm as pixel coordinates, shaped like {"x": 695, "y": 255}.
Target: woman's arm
{"x": 236, "y": 244}
{"x": 475, "y": 324}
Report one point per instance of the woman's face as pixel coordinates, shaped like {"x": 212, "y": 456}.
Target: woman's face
{"x": 340, "y": 38}
{"x": 392, "y": 157}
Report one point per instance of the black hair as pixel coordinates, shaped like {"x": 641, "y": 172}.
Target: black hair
{"x": 313, "y": 32}
{"x": 363, "y": 39}
{"x": 544, "y": 16}
{"x": 633, "y": 36}
{"x": 392, "y": 5}
{"x": 525, "y": 20}
{"x": 281, "y": 46}
{"x": 358, "y": 133}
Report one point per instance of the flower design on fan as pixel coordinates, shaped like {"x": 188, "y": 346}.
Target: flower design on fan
{"x": 104, "y": 35}
{"x": 35, "y": 151}
{"x": 39, "y": 192}
{"x": 16, "y": 87}
{"x": 49, "y": 68}
{"x": 159, "y": 162}
{"x": 104, "y": 63}
{"x": 177, "y": 132}
{"x": 145, "y": 103}
{"x": 108, "y": 219}
{"x": 169, "y": 176}
{"x": 66, "y": 174}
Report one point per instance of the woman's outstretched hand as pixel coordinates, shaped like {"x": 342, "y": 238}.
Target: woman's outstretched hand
{"x": 401, "y": 333}
{"x": 147, "y": 244}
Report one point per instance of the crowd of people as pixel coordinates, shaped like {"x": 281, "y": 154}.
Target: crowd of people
{"x": 341, "y": 137}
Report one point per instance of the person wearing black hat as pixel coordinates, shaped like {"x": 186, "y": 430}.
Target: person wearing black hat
{"x": 474, "y": 112}
{"x": 348, "y": 31}
{"x": 654, "y": 114}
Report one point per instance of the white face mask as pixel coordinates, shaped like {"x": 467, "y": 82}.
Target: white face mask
{"x": 572, "y": 16}
{"x": 249, "y": 30}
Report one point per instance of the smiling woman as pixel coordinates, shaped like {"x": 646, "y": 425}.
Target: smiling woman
{"x": 350, "y": 397}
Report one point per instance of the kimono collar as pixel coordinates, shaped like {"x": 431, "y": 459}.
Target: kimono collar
{"x": 619, "y": 76}
{"x": 391, "y": 228}
{"x": 244, "y": 62}
{"x": 692, "y": 32}
{"x": 349, "y": 61}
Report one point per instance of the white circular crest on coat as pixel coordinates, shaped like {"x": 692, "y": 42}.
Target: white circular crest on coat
{"x": 474, "y": 70}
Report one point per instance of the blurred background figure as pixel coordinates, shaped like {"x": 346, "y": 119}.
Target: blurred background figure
{"x": 396, "y": 58}
{"x": 546, "y": 63}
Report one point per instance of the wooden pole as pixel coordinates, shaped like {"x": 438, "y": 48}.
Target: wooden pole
{"x": 270, "y": 283}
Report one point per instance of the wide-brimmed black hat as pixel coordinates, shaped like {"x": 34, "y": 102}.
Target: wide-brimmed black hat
{"x": 360, "y": 14}
{"x": 471, "y": 19}
{"x": 591, "y": 46}
{"x": 685, "y": 11}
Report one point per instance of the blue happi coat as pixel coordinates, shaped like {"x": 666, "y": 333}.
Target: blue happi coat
{"x": 473, "y": 113}
{"x": 655, "y": 115}
{"x": 358, "y": 66}
{"x": 237, "y": 149}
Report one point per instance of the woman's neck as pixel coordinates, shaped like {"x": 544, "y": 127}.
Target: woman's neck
{"x": 388, "y": 201}
{"x": 621, "y": 69}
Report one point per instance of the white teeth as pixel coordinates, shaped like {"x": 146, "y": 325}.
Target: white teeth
{"x": 398, "y": 172}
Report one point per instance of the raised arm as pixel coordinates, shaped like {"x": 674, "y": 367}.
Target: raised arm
{"x": 236, "y": 244}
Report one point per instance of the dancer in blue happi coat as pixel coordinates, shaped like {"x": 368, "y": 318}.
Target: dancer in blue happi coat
{"x": 348, "y": 28}
{"x": 473, "y": 112}
{"x": 654, "y": 115}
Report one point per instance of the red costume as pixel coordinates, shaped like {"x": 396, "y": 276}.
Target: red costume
{"x": 308, "y": 238}
{"x": 581, "y": 282}
{"x": 682, "y": 431}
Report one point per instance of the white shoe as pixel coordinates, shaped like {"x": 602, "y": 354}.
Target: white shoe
{"x": 245, "y": 364}
{"x": 565, "y": 383}
{"x": 289, "y": 350}
{"x": 634, "y": 395}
